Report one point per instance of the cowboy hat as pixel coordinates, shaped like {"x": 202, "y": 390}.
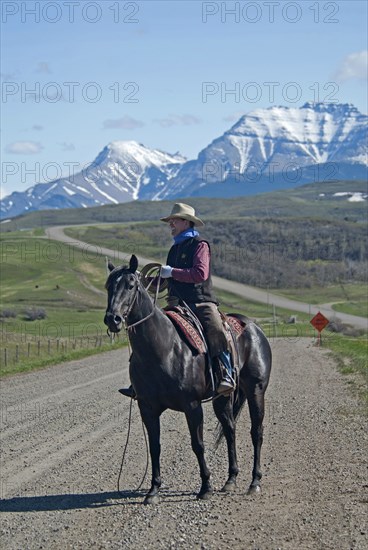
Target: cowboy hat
{"x": 185, "y": 212}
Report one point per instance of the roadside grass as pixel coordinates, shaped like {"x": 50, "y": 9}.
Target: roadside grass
{"x": 351, "y": 355}
{"x": 359, "y": 308}
{"x": 61, "y": 322}
{"x": 27, "y": 364}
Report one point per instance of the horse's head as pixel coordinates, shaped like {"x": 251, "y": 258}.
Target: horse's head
{"x": 122, "y": 287}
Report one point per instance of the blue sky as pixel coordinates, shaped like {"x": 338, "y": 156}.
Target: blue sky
{"x": 172, "y": 75}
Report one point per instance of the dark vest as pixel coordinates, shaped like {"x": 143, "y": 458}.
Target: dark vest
{"x": 181, "y": 256}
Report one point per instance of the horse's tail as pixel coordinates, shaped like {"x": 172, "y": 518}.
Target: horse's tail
{"x": 239, "y": 401}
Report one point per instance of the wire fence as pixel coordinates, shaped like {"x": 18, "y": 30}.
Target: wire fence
{"x": 15, "y": 349}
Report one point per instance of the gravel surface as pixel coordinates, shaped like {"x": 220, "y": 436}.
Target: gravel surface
{"x": 64, "y": 430}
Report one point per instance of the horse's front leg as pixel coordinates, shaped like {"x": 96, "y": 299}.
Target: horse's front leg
{"x": 152, "y": 423}
{"x": 195, "y": 423}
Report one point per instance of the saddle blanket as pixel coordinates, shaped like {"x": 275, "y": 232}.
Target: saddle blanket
{"x": 191, "y": 334}
{"x": 236, "y": 324}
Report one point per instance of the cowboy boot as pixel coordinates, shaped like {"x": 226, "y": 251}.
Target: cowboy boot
{"x": 226, "y": 384}
{"x": 129, "y": 392}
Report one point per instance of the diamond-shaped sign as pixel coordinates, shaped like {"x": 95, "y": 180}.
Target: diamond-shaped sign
{"x": 319, "y": 321}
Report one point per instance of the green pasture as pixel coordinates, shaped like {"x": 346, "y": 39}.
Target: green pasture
{"x": 349, "y": 298}
{"x": 48, "y": 273}
{"x": 64, "y": 283}
{"x": 150, "y": 239}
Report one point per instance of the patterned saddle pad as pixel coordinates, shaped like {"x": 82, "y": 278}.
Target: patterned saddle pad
{"x": 191, "y": 335}
{"x": 188, "y": 332}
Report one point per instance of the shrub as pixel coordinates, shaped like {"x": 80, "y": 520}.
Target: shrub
{"x": 34, "y": 314}
{"x": 335, "y": 325}
{"x": 8, "y": 313}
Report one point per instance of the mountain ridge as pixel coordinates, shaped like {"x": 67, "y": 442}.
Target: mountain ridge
{"x": 266, "y": 149}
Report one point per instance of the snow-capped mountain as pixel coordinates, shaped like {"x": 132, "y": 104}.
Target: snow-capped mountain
{"x": 279, "y": 147}
{"x": 267, "y": 149}
{"x": 123, "y": 171}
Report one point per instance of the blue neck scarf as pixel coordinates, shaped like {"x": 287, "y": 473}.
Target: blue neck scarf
{"x": 186, "y": 234}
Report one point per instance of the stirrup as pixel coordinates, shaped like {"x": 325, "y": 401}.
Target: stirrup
{"x": 226, "y": 386}
{"x": 128, "y": 392}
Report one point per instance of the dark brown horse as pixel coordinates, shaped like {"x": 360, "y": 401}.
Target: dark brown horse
{"x": 166, "y": 375}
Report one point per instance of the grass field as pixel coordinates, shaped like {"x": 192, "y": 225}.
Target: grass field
{"x": 349, "y": 298}
{"x": 65, "y": 285}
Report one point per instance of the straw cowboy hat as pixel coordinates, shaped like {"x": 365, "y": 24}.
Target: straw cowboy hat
{"x": 185, "y": 212}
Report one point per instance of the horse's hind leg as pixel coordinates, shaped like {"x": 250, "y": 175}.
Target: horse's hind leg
{"x": 195, "y": 423}
{"x": 255, "y": 396}
{"x": 152, "y": 423}
{"x": 223, "y": 408}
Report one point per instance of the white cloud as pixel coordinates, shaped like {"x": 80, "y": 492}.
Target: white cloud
{"x": 67, "y": 146}
{"x": 354, "y": 65}
{"x": 178, "y": 120}
{"x": 126, "y": 123}
{"x": 8, "y": 76}
{"x": 24, "y": 148}
{"x": 43, "y": 67}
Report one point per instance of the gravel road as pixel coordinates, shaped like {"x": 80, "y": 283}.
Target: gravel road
{"x": 249, "y": 292}
{"x": 63, "y": 433}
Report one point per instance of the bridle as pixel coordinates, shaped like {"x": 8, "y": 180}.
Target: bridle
{"x": 132, "y": 303}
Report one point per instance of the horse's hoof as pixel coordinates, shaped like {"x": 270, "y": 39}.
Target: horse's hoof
{"x": 254, "y": 489}
{"x": 205, "y": 495}
{"x": 151, "y": 499}
{"x": 229, "y": 487}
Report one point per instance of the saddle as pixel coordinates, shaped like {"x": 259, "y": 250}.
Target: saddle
{"x": 190, "y": 329}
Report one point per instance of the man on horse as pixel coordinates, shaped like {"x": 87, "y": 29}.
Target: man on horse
{"x": 188, "y": 271}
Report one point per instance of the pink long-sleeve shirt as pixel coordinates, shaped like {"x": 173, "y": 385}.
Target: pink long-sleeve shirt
{"x": 201, "y": 267}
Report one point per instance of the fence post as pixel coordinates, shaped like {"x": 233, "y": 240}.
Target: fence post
{"x": 5, "y": 357}
{"x": 49, "y": 347}
{"x": 274, "y": 321}
{"x": 38, "y": 347}
{"x": 29, "y": 349}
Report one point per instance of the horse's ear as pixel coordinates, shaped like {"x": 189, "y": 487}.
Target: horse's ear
{"x": 133, "y": 264}
{"x": 110, "y": 266}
